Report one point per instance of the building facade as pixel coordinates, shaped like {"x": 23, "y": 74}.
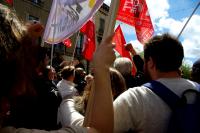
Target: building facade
{"x": 39, "y": 10}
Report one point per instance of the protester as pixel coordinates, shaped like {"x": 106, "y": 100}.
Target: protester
{"x": 79, "y": 79}
{"x": 124, "y": 66}
{"x": 139, "y": 109}
{"x": 195, "y": 74}
{"x": 66, "y": 86}
{"x": 18, "y": 50}
{"x": 76, "y": 107}
{"x": 118, "y": 84}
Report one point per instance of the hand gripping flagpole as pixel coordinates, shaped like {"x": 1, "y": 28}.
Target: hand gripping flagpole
{"x": 111, "y": 19}
{"x": 188, "y": 20}
{"x": 108, "y": 30}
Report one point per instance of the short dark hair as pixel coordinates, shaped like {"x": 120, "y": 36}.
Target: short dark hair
{"x": 166, "y": 51}
{"x": 68, "y": 71}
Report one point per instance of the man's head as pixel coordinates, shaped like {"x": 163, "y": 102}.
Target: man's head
{"x": 123, "y": 65}
{"x": 68, "y": 73}
{"x": 163, "y": 53}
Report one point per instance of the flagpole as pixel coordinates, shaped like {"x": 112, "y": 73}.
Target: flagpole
{"x": 111, "y": 19}
{"x": 188, "y": 20}
{"x": 54, "y": 32}
{"x": 77, "y": 37}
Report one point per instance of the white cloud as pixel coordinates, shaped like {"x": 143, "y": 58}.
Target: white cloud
{"x": 190, "y": 35}
{"x": 107, "y": 2}
{"x": 159, "y": 12}
{"x": 127, "y": 29}
{"x": 171, "y": 25}
{"x": 191, "y": 38}
{"x": 158, "y": 8}
{"x": 162, "y": 22}
{"x": 137, "y": 46}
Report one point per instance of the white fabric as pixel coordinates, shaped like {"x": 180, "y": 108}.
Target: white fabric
{"x": 143, "y": 111}
{"x": 71, "y": 129}
{"x": 67, "y": 115}
{"x": 68, "y": 16}
{"x": 66, "y": 88}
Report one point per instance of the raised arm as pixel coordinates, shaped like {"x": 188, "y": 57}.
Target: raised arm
{"x": 99, "y": 114}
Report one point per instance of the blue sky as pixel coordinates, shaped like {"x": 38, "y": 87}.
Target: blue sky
{"x": 170, "y": 16}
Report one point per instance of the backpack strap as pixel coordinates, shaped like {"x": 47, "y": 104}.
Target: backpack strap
{"x": 198, "y": 86}
{"x": 169, "y": 97}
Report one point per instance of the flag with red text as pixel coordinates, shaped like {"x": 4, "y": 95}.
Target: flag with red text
{"x": 135, "y": 13}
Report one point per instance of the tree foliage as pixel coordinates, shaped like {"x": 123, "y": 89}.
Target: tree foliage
{"x": 186, "y": 71}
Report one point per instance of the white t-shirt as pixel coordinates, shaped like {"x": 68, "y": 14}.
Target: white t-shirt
{"x": 143, "y": 111}
{"x": 67, "y": 115}
{"x": 66, "y": 88}
{"x": 71, "y": 129}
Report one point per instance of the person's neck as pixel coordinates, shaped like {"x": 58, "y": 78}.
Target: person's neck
{"x": 172, "y": 74}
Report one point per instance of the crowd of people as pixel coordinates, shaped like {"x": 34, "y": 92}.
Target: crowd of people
{"x": 36, "y": 97}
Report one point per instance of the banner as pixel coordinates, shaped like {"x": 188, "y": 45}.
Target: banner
{"x": 135, "y": 13}
{"x": 68, "y": 16}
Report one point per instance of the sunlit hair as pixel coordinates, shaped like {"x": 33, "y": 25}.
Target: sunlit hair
{"x": 18, "y": 52}
{"x": 118, "y": 83}
{"x": 11, "y": 29}
{"x": 68, "y": 71}
{"x": 123, "y": 65}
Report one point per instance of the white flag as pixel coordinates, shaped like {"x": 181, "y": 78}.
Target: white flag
{"x": 68, "y": 16}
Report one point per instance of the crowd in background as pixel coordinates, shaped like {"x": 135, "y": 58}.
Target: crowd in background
{"x": 35, "y": 95}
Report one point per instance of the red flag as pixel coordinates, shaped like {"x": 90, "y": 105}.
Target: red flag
{"x": 135, "y": 13}
{"x": 89, "y": 40}
{"x": 10, "y": 2}
{"x": 120, "y": 42}
{"x": 67, "y": 42}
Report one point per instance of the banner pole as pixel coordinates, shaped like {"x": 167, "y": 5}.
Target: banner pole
{"x": 54, "y": 32}
{"x": 108, "y": 30}
{"x": 77, "y": 38}
{"x": 111, "y": 18}
{"x": 188, "y": 20}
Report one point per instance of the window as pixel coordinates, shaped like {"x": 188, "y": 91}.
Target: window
{"x": 38, "y": 2}
{"x": 79, "y": 45}
{"x": 31, "y": 17}
{"x": 101, "y": 25}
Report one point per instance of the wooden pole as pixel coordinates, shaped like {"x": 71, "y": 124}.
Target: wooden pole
{"x": 77, "y": 39}
{"x": 111, "y": 18}
{"x": 109, "y": 29}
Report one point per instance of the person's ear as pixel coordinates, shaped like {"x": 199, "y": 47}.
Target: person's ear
{"x": 151, "y": 63}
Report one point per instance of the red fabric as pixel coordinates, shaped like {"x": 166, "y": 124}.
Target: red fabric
{"x": 120, "y": 42}
{"x": 89, "y": 40}
{"x": 67, "y": 42}
{"x": 135, "y": 13}
{"x": 10, "y": 2}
